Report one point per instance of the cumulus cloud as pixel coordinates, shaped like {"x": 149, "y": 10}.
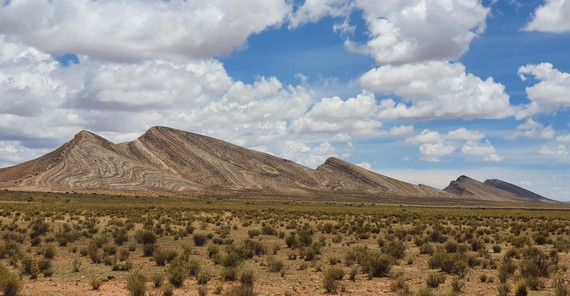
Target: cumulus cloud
{"x": 553, "y": 16}
{"x": 558, "y": 150}
{"x": 485, "y": 150}
{"x": 314, "y": 10}
{"x": 532, "y": 129}
{"x": 436, "y": 89}
{"x": 139, "y": 29}
{"x": 334, "y": 115}
{"x": 550, "y": 93}
{"x": 434, "y": 145}
{"x": 433, "y": 152}
{"x": 419, "y": 30}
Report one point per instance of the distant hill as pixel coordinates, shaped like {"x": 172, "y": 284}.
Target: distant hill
{"x": 492, "y": 190}
{"x": 166, "y": 160}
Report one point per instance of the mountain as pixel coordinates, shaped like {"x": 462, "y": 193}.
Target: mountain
{"x": 492, "y": 190}
{"x": 166, "y": 160}
{"x": 514, "y": 189}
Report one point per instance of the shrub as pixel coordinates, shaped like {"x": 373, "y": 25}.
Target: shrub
{"x": 274, "y": 265}
{"x": 424, "y": 291}
{"x": 203, "y": 276}
{"x": 377, "y": 266}
{"x": 453, "y": 263}
{"x": 434, "y": 279}
{"x": 76, "y": 264}
{"x": 136, "y": 284}
{"x": 497, "y": 249}
{"x": 167, "y": 289}
{"x": 331, "y": 278}
{"x": 157, "y": 279}
{"x": 395, "y": 249}
{"x": 503, "y": 289}
{"x": 177, "y": 272}
{"x": 457, "y": 285}
{"x": 200, "y": 239}
{"x": 229, "y": 274}
{"x": 535, "y": 263}
{"x": 247, "y": 278}
{"x": 10, "y": 283}
{"x": 145, "y": 236}
{"x": 520, "y": 289}
{"x": 95, "y": 283}
{"x": 202, "y": 291}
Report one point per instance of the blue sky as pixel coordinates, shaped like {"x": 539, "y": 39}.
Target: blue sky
{"x": 423, "y": 91}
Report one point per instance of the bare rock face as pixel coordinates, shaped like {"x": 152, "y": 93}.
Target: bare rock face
{"x": 353, "y": 177}
{"x": 491, "y": 190}
{"x": 169, "y": 160}
{"x": 514, "y": 189}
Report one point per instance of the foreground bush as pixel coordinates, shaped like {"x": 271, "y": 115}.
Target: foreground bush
{"x": 136, "y": 284}
{"x": 10, "y": 283}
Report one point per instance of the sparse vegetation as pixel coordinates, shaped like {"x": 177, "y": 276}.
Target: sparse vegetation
{"x": 220, "y": 244}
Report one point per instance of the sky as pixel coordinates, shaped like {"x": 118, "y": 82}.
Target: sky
{"x": 419, "y": 90}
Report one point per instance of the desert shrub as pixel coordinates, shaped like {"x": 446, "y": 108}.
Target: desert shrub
{"x": 167, "y": 289}
{"x": 145, "y": 236}
{"x": 520, "y": 241}
{"x": 177, "y": 272}
{"x": 394, "y": 248}
{"x": 136, "y": 284}
{"x": 203, "y": 277}
{"x": 331, "y": 278}
{"x": 247, "y": 278}
{"x": 451, "y": 263}
{"x": 148, "y": 249}
{"x": 76, "y": 264}
{"x": 291, "y": 240}
{"x": 199, "y": 239}
{"x": 535, "y": 283}
{"x": 457, "y": 285}
{"x": 353, "y": 273}
{"x": 253, "y": 233}
{"x": 434, "y": 279}
{"x": 274, "y": 265}
{"x": 451, "y": 246}
{"x": 193, "y": 266}
{"x": 521, "y": 289}
{"x": 229, "y": 274}
{"x": 534, "y": 264}
{"x": 48, "y": 251}
{"x": 477, "y": 244}
{"x": 426, "y": 248}
{"x": 503, "y": 289}
{"x": 377, "y": 266}
{"x": 497, "y": 249}
{"x": 95, "y": 283}
{"x": 202, "y": 291}
{"x": 424, "y": 291}
{"x": 157, "y": 279}
{"x": 239, "y": 291}
{"x": 10, "y": 283}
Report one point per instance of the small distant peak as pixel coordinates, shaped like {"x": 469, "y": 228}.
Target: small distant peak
{"x": 85, "y": 134}
{"x": 463, "y": 178}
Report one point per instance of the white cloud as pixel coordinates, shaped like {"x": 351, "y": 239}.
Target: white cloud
{"x": 139, "y": 29}
{"x": 563, "y": 138}
{"x": 436, "y": 89}
{"x": 548, "y": 95}
{"x": 433, "y": 152}
{"x": 333, "y": 115}
{"x": 532, "y": 129}
{"x": 434, "y": 145}
{"x": 559, "y": 150}
{"x": 553, "y": 16}
{"x": 419, "y": 30}
{"x": 314, "y": 10}
{"x": 486, "y": 150}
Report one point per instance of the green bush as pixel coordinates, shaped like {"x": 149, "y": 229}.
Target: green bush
{"x": 521, "y": 289}
{"x": 10, "y": 283}
{"x": 203, "y": 277}
{"x": 200, "y": 239}
{"x": 534, "y": 264}
{"x": 394, "y": 248}
{"x": 434, "y": 279}
{"x": 331, "y": 278}
{"x": 274, "y": 265}
{"x": 136, "y": 284}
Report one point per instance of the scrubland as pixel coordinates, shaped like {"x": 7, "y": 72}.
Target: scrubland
{"x": 96, "y": 244}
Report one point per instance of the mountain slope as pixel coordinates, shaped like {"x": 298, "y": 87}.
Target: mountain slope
{"x": 169, "y": 160}
{"x": 472, "y": 189}
{"x": 351, "y": 177}
{"x": 516, "y": 190}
